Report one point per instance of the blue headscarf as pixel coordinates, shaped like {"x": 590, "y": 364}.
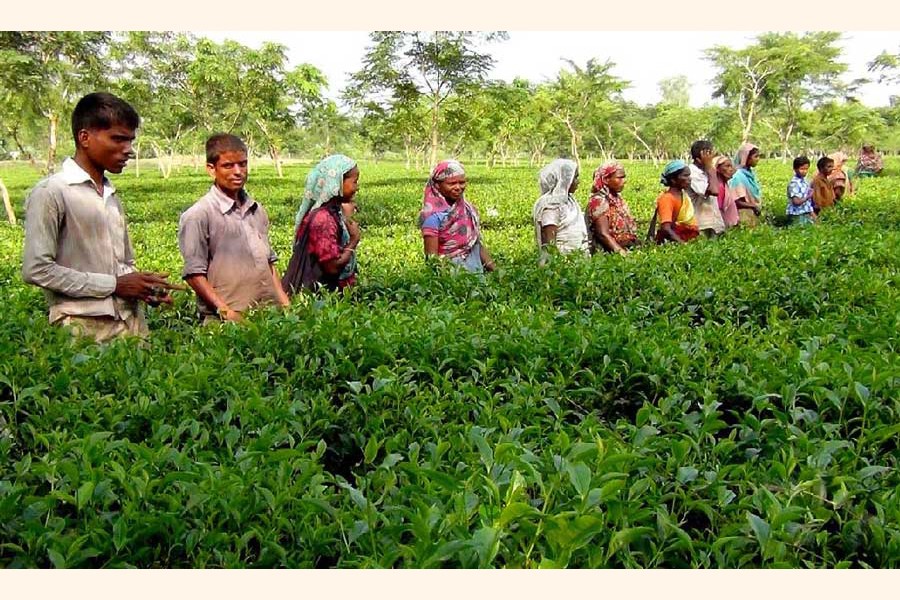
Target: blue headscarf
{"x": 672, "y": 167}
{"x": 324, "y": 182}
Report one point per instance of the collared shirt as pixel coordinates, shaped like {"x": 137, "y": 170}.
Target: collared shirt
{"x": 76, "y": 244}
{"x": 229, "y": 243}
{"x": 706, "y": 206}
{"x": 799, "y": 188}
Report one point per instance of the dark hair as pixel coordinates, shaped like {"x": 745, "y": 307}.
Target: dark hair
{"x": 820, "y": 164}
{"x": 102, "y": 110}
{"x": 699, "y": 146}
{"x": 223, "y": 142}
{"x": 800, "y": 161}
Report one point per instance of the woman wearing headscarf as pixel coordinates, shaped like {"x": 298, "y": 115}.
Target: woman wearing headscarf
{"x": 870, "y": 163}
{"x": 558, "y": 220}
{"x": 746, "y": 188}
{"x": 610, "y": 223}
{"x": 326, "y": 236}
{"x": 839, "y": 177}
{"x": 674, "y": 209}
{"x": 725, "y": 171}
{"x": 450, "y": 225}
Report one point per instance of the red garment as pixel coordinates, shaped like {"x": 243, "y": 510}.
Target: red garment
{"x": 685, "y": 232}
{"x": 621, "y": 224}
{"x": 322, "y": 244}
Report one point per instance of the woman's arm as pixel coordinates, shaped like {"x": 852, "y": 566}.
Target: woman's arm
{"x": 486, "y": 261}
{"x": 601, "y": 226}
{"x": 669, "y": 231}
{"x": 431, "y": 245}
{"x": 335, "y": 265}
{"x": 548, "y": 235}
{"x": 743, "y": 202}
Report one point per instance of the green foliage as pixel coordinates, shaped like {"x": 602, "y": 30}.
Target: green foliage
{"x": 724, "y": 404}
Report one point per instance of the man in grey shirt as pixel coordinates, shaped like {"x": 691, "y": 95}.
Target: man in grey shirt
{"x": 76, "y": 241}
{"x": 224, "y": 240}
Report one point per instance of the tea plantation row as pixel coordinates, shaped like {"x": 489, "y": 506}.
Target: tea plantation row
{"x": 725, "y": 404}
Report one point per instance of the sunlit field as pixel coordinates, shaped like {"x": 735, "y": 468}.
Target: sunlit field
{"x": 728, "y": 403}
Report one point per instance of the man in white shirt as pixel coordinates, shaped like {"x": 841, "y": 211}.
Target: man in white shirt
{"x": 76, "y": 241}
{"x": 704, "y": 190}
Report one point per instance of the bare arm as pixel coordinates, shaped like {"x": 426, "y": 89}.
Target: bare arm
{"x": 743, "y": 202}
{"x": 548, "y": 235}
{"x": 706, "y": 157}
{"x": 486, "y": 261}
{"x": 601, "y": 226}
{"x": 431, "y": 245}
{"x": 669, "y": 231}
{"x": 283, "y": 299}
{"x": 335, "y": 265}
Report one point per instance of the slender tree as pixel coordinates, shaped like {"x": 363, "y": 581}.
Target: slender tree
{"x": 402, "y": 67}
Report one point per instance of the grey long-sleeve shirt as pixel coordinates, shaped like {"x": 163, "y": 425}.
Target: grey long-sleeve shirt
{"x": 76, "y": 244}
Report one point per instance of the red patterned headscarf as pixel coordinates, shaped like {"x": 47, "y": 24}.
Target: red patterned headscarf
{"x": 603, "y": 172}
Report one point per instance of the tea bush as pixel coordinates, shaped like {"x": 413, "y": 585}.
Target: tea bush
{"x": 731, "y": 403}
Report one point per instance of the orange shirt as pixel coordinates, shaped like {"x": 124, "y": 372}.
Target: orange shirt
{"x": 668, "y": 209}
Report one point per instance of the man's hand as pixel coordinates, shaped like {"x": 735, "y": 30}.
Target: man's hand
{"x": 706, "y": 157}
{"x": 232, "y": 315}
{"x": 151, "y": 288}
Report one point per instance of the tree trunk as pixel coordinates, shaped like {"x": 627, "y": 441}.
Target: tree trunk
{"x": 10, "y": 213}
{"x": 634, "y": 132}
{"x": 574, "y": 141}
{"x": 14, "y": 133}
{"x": 51, "y": 151}
{"x": 273, "y": 152}
{"x": 748, "y": 125}
{"x": 435, "y": 136}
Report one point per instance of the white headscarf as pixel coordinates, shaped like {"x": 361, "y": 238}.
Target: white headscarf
{"x": 555, "y": 180}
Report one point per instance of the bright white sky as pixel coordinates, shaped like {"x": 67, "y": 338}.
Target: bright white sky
{"x": 643, "y": 57}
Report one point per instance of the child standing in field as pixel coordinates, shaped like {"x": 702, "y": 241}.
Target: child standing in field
{"x": 76, "y": 239}
{"x": 674, "y": 209}
{"x": 822, "y": 192}
{"x": 800, "y": 209}
{"x": 224, "y": 240}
